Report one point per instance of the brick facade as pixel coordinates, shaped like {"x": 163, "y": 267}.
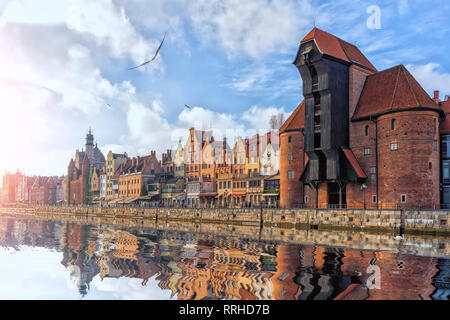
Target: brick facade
{"x": 292, "y": 161}
{"x": 391, "y": 156}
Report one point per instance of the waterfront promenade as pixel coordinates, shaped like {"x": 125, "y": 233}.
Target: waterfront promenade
{"x": 399, "y": 222}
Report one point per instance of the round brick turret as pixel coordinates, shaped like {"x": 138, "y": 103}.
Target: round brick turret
{"x": 408, "y": 159}
{"x": 292, "y": 159}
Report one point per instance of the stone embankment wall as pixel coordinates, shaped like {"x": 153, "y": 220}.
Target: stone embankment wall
{"x": 397, "y": 221}
{"x": 415, "y": 244}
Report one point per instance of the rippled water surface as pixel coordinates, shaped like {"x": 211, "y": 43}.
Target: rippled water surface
{"x": 45, "y": 259}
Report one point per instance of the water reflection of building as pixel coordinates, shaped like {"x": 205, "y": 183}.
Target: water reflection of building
{"x": 288, "y": 261}
{"x": 201, "y": 266}
{"x": 78, "y": 247}
{"x": 402, "y": 277}
{"x": 441, "y": 281}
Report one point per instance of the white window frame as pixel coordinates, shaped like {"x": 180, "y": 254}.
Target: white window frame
{"x": 401, "y": 198}
{"x": 392, "y": 146}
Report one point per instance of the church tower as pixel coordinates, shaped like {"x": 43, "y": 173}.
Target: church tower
{"x": 90, "y": 144}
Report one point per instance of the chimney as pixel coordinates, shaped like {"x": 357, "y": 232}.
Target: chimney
{"x": 436, "y": 95}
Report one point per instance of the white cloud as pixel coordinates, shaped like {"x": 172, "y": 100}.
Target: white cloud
{"x": 51, "y": 85}
{"x": 254, "y": 27}
{"x": 258, "y": 117}
{"x": 160, "y": 16}
{"x": 432, "y": 77}
{"x": 252, "y": 79}
{"x": 147, "y": 128}
{"x": 245, "y": 124}
{"x": 99, "y": 21}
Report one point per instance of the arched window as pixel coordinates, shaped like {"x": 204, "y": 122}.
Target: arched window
{"x": 367, "y": 131}
{"x": 393, "y": 124}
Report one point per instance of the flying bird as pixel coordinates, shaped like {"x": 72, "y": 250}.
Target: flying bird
{"x": 109, "y": 105}
{"x": 157, "y": 51}
{"x": 187, "y": 106}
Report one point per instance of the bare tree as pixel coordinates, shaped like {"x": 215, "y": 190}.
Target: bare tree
{"x": 280, "y": 120}
{"x": 273, "y": 122}
{"x": 276, "y": 121}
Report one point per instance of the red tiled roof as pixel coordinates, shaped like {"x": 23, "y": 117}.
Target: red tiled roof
{"x": 394, "y": 89}
{"x": 296, "y": 120}
{"x": 354, "y": 163}
{"x": 338, "y": 48}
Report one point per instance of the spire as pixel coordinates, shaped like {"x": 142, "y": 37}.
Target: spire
{"x": 89, "y": 139}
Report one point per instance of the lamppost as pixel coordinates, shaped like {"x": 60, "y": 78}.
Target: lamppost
{"x": 363, "y": 188}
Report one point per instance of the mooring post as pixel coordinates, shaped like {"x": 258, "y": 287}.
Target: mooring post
{"x": 261, "y": 219}
{"x": 402, "y": 223}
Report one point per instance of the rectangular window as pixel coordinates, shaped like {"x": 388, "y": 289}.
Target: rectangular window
{"x": 290, "y": 174}
{"x": 435, "y": 145}
{"x": 373, "y": 170}
{"x": 290, "y": 157}
{"x": 366, "y": 151}
{"x": 306, "y": 199}
{"x": 445, "y": 150}
{"x": 374, "y": 199}
{"x": 446, "y": 171}
{"x": 393, "y": 124}
{"x": 446, "y": 196}
{"x": 394, "y": 146}
{"x": 403, "y": 198}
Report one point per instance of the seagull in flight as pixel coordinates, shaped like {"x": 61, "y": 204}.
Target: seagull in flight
{"x": 187, "y": 106}
{"x": 109, "y": 105}
{"x": 157, "y": 51}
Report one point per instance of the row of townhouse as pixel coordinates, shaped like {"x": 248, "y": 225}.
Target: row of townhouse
{"x": 19, "y": 188}
{"x": 203, "y": 172}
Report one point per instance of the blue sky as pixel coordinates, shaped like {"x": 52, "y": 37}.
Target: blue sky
{"x": 61, "y": 62}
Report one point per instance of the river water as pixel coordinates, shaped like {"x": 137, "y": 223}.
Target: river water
{"x": 48, "y": 259}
